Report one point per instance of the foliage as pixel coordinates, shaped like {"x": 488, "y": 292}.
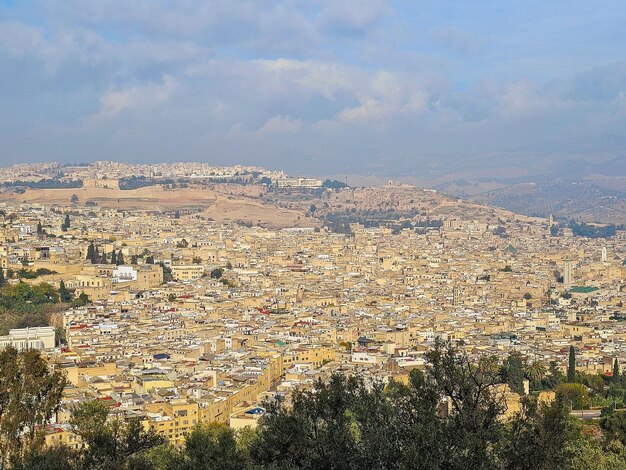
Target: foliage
{"x": 217, "y": 273}
{"x": 571, "y": 365}
{"x": 136, "y": 182}
{"x": 28, "y": 274}
{"x": 574, "y": 394}
{"x": 52, "y": 183}
{"x": 446, "y": 417}
{"x": 29, "y": 395}
{"x": 334, "y": 184}
{"x": 66, "y": 223}
{"x": 592, "y": 231}
{"x": 512, "y": 372}
{"x": 109, "y": 443}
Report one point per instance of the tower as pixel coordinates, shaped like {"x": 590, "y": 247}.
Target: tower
{"x": 604, "y": 254}
{"x": 456, "y": 296}
{"x": 567, "y": 274}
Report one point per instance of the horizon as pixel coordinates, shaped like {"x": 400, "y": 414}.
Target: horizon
{"x": 376, "y": 88}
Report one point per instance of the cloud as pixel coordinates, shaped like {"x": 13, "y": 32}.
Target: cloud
{"x": 280, "y": 125}
{"x": 354, "y": 17}
{"x": 457, "y": 39}
{"x": 343, "y": 83}
{"x": 136, "y": 97}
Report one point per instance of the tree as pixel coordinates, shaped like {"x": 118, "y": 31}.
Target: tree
{"x": 39, "y": 228}
{"x": 571, "y": 367}
{"x": 74, "y": 199}
{"x": 542, "y": 437}
{"x": 92, "y": 254}
{"x": 30, "y": 393}
{"x": 3, "y": 280}
{"x": 109, "y": 442}
{"x": 66, "y": 223}
{"x": 83, "y": 299}
{"x": 614, "y": 425}
{"x": 120, "y": 258}
{"x": 150, "y": 259}
{"x": 344, "y": 423}
{"x": 513, "y": 372}
{"x": 212, "y": 446}
{"x": 113, "y": 257}
{"x": 535, "y": 371}
{"x": 616, "y": 375}
{"x": 58, "y": 457}
{"x": 217, "y": 273}
{"x": 555, "y": 376}
{"x": 134, "y": 259}
{"x": 574, "y": 394}
{"x": 64, "y": 294}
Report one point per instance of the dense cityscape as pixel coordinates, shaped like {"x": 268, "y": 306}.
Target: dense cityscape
{"x": 312, "y": 235}
{"x": 172, "y": 319}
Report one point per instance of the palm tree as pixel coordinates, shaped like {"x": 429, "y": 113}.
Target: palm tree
{"x": 535, "y": 371}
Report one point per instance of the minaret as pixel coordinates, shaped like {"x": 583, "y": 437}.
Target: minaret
{"x": 567, "y": 274}
{"x": 604, "y": 254}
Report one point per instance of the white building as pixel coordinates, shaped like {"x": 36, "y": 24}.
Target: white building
{"x": 124, "y": 274}
{"x": 40, "y": 337}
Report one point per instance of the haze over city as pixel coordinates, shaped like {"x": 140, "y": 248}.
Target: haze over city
{"x": 378, "y": 87}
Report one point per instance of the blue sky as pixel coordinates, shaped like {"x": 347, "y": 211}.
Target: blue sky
{"x": 313, "y": 86}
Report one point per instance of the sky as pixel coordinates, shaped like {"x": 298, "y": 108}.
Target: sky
{"x": 314, "y": 86}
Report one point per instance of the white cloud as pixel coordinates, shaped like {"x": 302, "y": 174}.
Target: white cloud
{"x": 280, "y": 125}
{"x": 136, "y": 97}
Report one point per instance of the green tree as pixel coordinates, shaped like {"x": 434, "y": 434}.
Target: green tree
{"x": 543, "y": 437}
{"x": 109, "y": 443}
{"x": 120, "y": 258}
{"x": 3, "y": 281}
{"x": 39, "y": 228}
{"x": 616, "y": 378}
{"x": 574, "y": 394}
{"x": 83, "y": 299}
{"x": 66, "y": 223}
{"x": 212, "y": 446}
{"x": 113, "y": 257}
{"x": 571, "y": 366}
{"x": 513, "y": 372}
{"x": 535, "y": 371}
{"x": 344, "y": 423}
{"x": 92, "y": 254}
{"x": 30, "y": 393}
{"x": 217, "y": 273}
{"x": 48, "y": 458}
{"x": 614, "y": 426}
{"x": 64, "y": 294}
{"x": 555, "y": 376}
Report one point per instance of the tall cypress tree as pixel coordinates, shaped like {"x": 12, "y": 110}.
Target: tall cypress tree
{"x": 2, "y": 279}
{"x": 571, "y": 367}
{"x": 91, "y": 253}
{"x": 39, "y": 228}
{"x": 113, "y": 257}
{"x": 66, "y": 223}
{"x": 616, "y": 374}
{"x": 64, "y": 294}
{"x": 120, "y": 258}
